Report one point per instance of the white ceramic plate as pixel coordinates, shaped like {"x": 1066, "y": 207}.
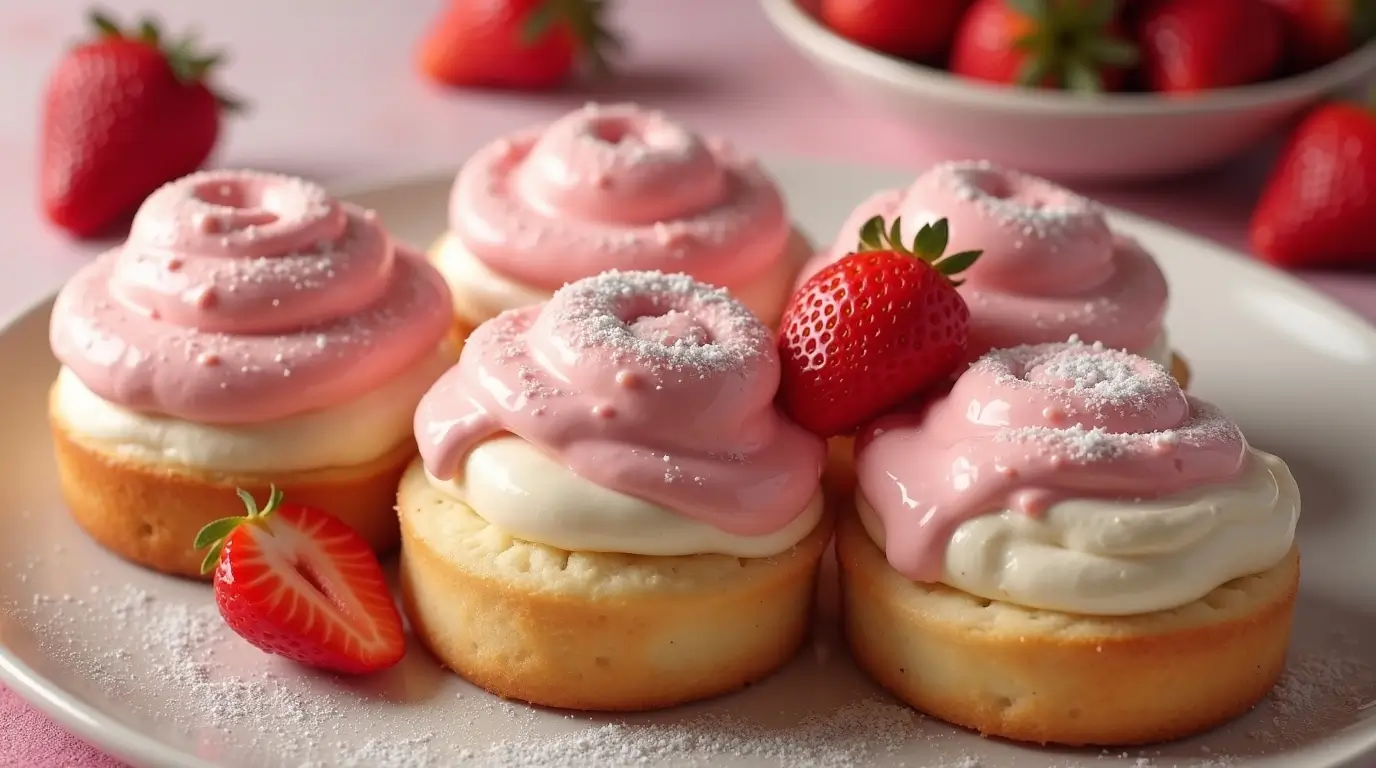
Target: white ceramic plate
{"x": 140, "y": 665}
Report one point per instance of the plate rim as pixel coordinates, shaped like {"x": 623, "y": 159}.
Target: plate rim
{"x": 127, "y": 744}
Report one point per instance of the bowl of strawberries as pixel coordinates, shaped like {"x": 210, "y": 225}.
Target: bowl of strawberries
{"x": 1092, "y": 90}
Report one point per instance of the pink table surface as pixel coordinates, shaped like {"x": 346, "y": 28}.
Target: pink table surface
{"x": 334, "y": 97}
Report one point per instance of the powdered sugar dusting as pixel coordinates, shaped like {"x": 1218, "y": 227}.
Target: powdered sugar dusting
{"x": 1088, "y": 370}
{"x": 160, "y": 653}
{"x": 1076, "y": 443}
{"x": 1038, "y": 207}
{"x": 856, "y": 734}
{"x": 626, "y": 312}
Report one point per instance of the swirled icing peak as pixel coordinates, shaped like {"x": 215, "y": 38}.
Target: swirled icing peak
{"x": 1029, "y": 426}
{"x": 243, "y": 297}
{"x": 653, "y": 385}
{"x": 1051, "y": 266}
{"x": 617, "y": 187}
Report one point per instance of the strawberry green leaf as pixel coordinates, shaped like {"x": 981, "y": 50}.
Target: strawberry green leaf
{"x": 1025, "y": 43}
{"x": 1363, "y": 26}
{"x": 1098, "y": 13}
{"x": 250, "y": 504}
{"x": 1033, "y": 71}
{"x": 275, "y": 497}
{"x": 104, "y": 24}
{"x": 212, "y": 558}
{"x": 1112, "y": 52}
{"x": 148, "y": 31}
{"x": 931, "y": 240}
{"x": 539, "y": 23}
{"x": 872, "y": 235}
{"x": 1082, "y": 78}
{"x": 896, "y": 231}
{"x": 216, "y": 531}
{"x": 1035, "y": 9}
{"x": 957, "y": 263}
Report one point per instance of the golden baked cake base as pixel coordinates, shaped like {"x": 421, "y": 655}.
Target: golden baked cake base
{"x": 591, "y": 630}
{"x": 1048, "y": 677}
{"x": 150, "y": 513}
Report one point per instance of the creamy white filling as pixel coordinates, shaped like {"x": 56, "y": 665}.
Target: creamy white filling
{"x": 341, "y": 436}
{"x": 481, "y": 294}
{"x": 528, "y": 495}
{"x": 1111, "y": 558}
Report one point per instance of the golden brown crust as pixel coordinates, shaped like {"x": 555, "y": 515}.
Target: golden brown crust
{"x": 839, "y": 474}
{"x": 1047, "y": 677}
{"x": 595, "y": 631}
{"x": 150, "y": 513}
{"x": 1180, "y": 370}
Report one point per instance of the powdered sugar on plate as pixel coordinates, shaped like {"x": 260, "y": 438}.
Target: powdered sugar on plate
{"x": 160, "y": 654}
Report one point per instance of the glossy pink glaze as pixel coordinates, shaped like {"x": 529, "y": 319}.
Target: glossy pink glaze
{"x": 1051, "y": 267}
{"x": 653, "y": 385}
{"x": 243, "y": 297}
{"x": 1026, "y": 427}
{"x": 617, "y": 187}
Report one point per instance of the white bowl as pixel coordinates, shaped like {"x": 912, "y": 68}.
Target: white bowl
{"x": 1057, "y": 134}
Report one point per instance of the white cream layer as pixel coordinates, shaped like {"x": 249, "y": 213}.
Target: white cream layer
{"x": 345, "y": 435}
{"x": 481, "y": 294}
{"x": 518, "y": 489}
{"x": 1112, "y": 558}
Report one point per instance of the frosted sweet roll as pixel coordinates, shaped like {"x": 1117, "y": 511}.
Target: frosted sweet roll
{"x": 610, "y": 513}
{"x": 613, "y": 187}
{"x": 251, "y": 332}
{"x": 1067, "y": 548}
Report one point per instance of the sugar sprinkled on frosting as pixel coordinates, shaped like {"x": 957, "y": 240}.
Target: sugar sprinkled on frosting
{"x": 634, "y": 313}
{"x": 1102, "y": 378}
{"x": 994, "y": 188}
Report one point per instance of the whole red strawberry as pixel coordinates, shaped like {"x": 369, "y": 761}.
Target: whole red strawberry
{"x": 1319, "y": 206}
{"x": 296, "y": 582}
{"x": 1076, "y": 45}
{"x": 920, "y": 31}
{"x": 873, "y": 329}
{"x": 1192, "y": 45}
{"x": 524, "y": 44}
{"x": 123, "y": 115}
{"x": 1320, "y": 31}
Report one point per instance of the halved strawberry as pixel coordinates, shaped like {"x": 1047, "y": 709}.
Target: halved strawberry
{"x": 296, "y": 582}
{"x": 873, "y": 329}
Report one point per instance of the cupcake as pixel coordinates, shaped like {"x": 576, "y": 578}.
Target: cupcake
{"x": 1051, "y": 267}
{"x": 613, "y": 187}
{"x": 1066, "y": 548}
{"x": 251, "y": 332}
{"x": 610, "y": 513}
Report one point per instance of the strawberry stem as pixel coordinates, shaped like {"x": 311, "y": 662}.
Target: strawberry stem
{"x": 929, "y": 245}
{"x": 1363, "y": 27}
{"x": 215, "y": 533}
{"x": 584, "y": 20}
{"x": 1070, "y": 43}
{"x": 189, "y": 65}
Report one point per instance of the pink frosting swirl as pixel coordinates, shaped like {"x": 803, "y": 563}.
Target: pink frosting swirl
{"x": 653, "y": 385}
{"x": 617, "y": 187}
{"x": 1051, "y": 267}
{"x": 1026, "y": 427}
{"x": 242, "y": 297}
